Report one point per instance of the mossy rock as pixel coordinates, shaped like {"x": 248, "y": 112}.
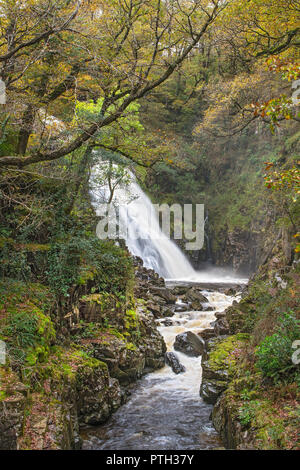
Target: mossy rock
{"x": 220, "y": 365}
{"x": 25, "y": 323}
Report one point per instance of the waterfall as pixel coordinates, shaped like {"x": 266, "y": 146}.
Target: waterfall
{"x": 156, "y": 250}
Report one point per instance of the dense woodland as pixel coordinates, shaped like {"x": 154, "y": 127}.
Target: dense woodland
{"x": 200, "y": 100}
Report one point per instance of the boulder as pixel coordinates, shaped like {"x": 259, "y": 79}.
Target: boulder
{"x": 167, "y": 312}
{"x": 173, "y": 361}
{"x": 221, "y": 327}
{"x": 180, "y": 290}
{"x": 164, "y": 293}
{"x": 167, "y": 322}
{"x": 193, "y": 294}
{"x": 189, "y": 344}
{"x": 182, "y": 307}
{"x": 154, "y": 309}
{"x": 207, "y": 333}
{"x": 207, "y": 308}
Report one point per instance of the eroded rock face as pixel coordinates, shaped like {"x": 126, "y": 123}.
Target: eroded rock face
{"x": 229, "y": 429}
{"x": 11, "y": 418}
{"x": 173, "y": 361}
{"x": 214, "y": 382}
{"x": 189, "y": 344}
{"x": 151, "y": 342}
{"x": 96, "y": 395}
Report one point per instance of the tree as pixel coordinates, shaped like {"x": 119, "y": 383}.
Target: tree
{"x": 117, "y": 52}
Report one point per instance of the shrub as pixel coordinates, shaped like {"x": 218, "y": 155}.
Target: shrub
{"x": 275, "y": 352}
{"x": 77, "y": 260}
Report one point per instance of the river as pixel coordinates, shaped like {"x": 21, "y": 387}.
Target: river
{"x": 165, "y": 410}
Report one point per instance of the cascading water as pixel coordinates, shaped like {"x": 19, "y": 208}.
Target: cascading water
{"x": 165, "y": 411}
{"x": 147, "y": 241}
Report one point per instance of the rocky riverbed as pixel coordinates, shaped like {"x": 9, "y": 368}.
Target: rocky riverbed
{"x": 165, "y": 410}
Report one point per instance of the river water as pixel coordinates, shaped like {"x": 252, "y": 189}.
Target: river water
{"x": 165, "y": 410}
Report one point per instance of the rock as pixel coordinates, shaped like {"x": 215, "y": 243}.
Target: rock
{"x": 229, "y": 427}
{"x": 167, "y": 322}
{"x": 230, "y": 292}
{"x": 207, "y": 333}
{"x": 11, "y": 420}
{"x": 154, "y": 309}
{"x": 211, "y": 390}
{"x": 193, "y": 294}
{"x": 180, "y": 290}
{"x": 190, "y": 344}
{"x": 151, "y": 342}
{"x": 221, "y": 327}
{"x": 182, "y": 307}
{"x": 207, "y": 308}
{"x": 214, "y": 382}
{"x": 165, "y": 293}
{"x": 196, "y": 306}
{"x": 173, "y": 361}
{"x": 167, "y": 312}
{"x": 219, "y": 315}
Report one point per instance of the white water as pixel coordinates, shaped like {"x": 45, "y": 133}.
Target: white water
{"x": 156, "y": 250}
{"x": 165, "y": 410}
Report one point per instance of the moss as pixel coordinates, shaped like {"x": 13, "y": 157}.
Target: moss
{"x": 131, "y": 320}
{"x": 25, "y": 324}
{"x": 63, "y": 364}
{"x": 225, "y": 353}
{"x": 32, "y": 247}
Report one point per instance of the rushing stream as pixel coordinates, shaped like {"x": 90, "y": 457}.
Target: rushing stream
{"x": 165, "y": 410}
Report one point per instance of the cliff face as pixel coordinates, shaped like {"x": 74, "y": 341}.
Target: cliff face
{"x": 249, "y": 374}
{"x": 67, "y": 369}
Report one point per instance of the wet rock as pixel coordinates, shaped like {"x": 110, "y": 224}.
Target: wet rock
{"x": 151, "y": 342}
{"x": 167, "y": 322}
{"x": 211, "y": 390}
{"x": 173, "y": 361}
{"x": 182, "y": 307}
{"x": 230, "y": 292}
{"x": 167, "y": 311}
{"x": 164, "y": 293}
{"x": 221, "y": 327}
{"x": 193, "y": 295}
{"x": 180, "y": 290}
{"x": 190, "y": 344}
{"x": 207, "y": 333}
{"x": 214, "y": 382}
{"x": 196, "y": 306}
{"x": 217, "y": 370}
{"x": 219, "y": 315}
{"x": 154, "y": 309}
{"x": 207, "y": 308}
